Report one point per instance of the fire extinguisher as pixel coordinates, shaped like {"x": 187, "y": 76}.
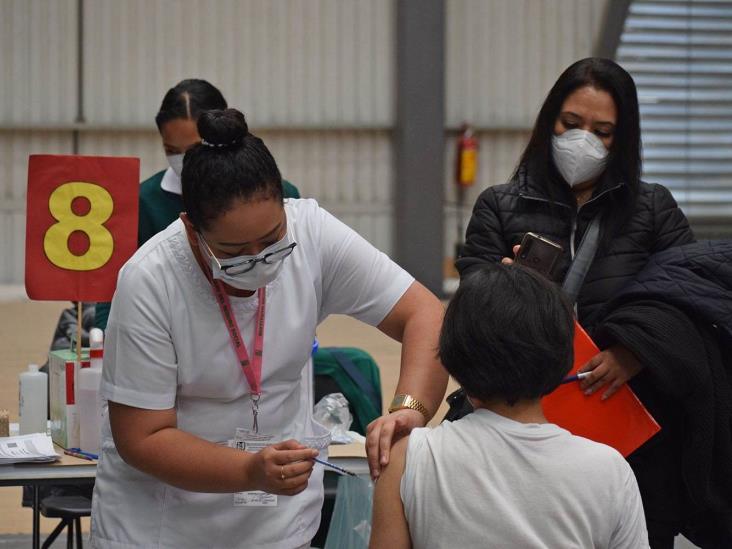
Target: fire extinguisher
{"x": 466, "y": 160}
{"x": 466, "y": 168}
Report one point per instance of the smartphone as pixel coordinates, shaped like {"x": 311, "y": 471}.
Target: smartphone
{"x": 539, "y": 253}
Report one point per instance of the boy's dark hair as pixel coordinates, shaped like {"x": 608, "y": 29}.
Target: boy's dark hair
{"x": 188, "y": 99}
{"x": 507, "y": 334}
{"x": 229, "y": 164}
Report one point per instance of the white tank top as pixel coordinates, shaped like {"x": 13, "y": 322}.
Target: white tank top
{"x": 488, "y": 481}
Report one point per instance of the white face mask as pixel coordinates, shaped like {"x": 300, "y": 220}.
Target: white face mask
{"x": 176, "y": 163}
{"x": 578, "y": 155}
{"x": 251, "y": 272}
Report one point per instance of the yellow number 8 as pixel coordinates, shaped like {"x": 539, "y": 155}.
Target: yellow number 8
{"x": 56, "y": 240}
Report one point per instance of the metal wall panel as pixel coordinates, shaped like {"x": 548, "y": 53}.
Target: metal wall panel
{"x": 503, "y": 56}
{"x": 38, "y": 79}
{"x": 146, "y": 146}
{"x": 349, "y": 172}
{"x": 284, "y": 62}
{"x": 498, "y": 155}
{"x": 323, "y": 65}
{"x": 15, "y": 147}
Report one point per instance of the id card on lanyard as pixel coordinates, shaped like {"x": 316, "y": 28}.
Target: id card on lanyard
{"x": 252, "y": 442}
{"x": 252, "y": 368}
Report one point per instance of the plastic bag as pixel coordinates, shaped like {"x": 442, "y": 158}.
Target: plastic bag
{"x": 332, "y": 413}
{"x": 350, "y": 525}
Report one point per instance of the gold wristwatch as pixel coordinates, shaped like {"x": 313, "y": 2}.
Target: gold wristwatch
{"x": 403, "y": 401}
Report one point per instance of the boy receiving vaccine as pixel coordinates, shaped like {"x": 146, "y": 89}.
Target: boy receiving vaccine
{"x": 504, "y": 476}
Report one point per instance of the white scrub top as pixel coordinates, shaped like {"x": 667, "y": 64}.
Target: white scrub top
{"x": 167, "y": 346}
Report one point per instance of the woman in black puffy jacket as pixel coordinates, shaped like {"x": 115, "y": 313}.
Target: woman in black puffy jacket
{"x": 584, "y": 160}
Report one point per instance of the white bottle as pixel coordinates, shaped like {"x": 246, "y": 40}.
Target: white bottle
{"x": 89, "y": 400}
{"x": 96, "y": 347}
{"x": 33, "y": 401}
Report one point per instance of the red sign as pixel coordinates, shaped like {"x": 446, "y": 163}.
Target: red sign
{"x": 81, "y": 225}
{"x": 620, "y": 421}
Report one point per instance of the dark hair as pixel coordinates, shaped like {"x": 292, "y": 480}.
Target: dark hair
{"x": 507, "y": 334}
{"x": 624, "y": 160}
{"x": 229, "y": 164}
{"x": 188, "y": 99}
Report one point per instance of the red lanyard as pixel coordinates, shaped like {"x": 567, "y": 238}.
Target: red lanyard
{"x": 252, "y": 368}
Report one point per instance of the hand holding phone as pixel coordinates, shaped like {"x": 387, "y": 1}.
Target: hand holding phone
{"x": 539, "y": 253}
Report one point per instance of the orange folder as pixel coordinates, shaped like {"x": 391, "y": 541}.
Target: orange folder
{"x": 620, "y": 421}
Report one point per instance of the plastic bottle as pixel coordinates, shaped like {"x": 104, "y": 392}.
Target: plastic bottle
{"x": 96, "y": 347}
{"x": 89, "y": 401}
{"x": 33, "y": 401}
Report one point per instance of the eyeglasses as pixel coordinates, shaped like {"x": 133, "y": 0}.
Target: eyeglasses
{"x": 249, "y": 264}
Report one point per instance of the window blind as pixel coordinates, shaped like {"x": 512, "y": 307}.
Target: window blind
{"x": 680, "y": 54}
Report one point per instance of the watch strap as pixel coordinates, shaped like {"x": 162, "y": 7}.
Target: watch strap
{"x": 404, "y": 401}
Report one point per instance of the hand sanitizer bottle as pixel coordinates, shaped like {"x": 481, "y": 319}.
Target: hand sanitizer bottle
{"x": 89, "y": 401}
{"x": 33, "y": 401}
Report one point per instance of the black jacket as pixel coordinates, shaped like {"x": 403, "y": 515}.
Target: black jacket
{"x": 676, "y": 317}
{"x": 696, "y": 278}
{"x": 504, "y": 213}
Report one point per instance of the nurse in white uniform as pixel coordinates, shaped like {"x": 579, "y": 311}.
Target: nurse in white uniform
{"x": 210, "y": 435}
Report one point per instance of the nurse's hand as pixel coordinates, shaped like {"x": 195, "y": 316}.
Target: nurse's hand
{"x": 385, "y": 431}
{"x": 508, "y": 260}
{"x": 283, "y": 468}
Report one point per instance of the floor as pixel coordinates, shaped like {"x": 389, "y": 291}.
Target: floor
{"x": 25, "y": 334}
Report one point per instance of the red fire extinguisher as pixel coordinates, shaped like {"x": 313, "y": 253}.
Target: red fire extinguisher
{"x": 466, "y": 160}
{"x": 466, "y": 169}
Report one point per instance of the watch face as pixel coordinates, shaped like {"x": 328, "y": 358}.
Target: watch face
{"x": 402, "y": 402}
{"x": 396, "y": 403}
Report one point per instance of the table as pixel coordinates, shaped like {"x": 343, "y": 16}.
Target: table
{"x": 68, "y": 470}
{"x": 71, "y": 470}
{"x": 349, "y": 456}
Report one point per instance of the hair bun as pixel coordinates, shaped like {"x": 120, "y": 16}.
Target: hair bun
{"x": 222, "y": 128}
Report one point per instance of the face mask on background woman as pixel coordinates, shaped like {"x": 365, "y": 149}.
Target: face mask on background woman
{"x": 176, "y": 163}
{"x": 578, "y": 155}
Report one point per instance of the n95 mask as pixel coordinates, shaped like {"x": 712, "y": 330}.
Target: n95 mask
{"x": 578, "y": 155}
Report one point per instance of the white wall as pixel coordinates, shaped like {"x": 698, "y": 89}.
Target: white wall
{"x": 14, "y": 151}
{"x": 286, "y": 62}
{"x": 37, "y": 62}
{"x": 504, "y": 55}
{"x": 316, "y": 79}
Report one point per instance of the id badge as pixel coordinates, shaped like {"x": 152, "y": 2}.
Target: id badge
{"x": 250, "y": 441}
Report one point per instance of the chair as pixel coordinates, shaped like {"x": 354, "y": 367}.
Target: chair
{"x": 69, "y": 509}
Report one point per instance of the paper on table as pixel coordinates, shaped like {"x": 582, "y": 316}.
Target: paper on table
{"x": 36, "y": 447}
